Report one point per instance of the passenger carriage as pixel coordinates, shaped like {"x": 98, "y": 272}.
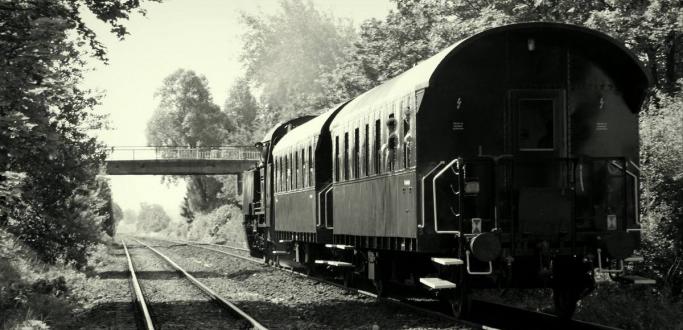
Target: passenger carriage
{"x": 508, "y": 159}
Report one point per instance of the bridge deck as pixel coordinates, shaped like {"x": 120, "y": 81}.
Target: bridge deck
{"x": 180, "y": 161}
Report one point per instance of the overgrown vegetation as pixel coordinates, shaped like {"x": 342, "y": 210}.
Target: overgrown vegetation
{"x": 50, "y": 196}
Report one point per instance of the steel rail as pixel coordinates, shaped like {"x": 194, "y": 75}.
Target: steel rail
{"x": 577, "y": 323}
{"x": 207, "y": 290}
{"x": 393, "y": 301}
{"x": 205, "y": 243}
{"x": 146, "y": 317}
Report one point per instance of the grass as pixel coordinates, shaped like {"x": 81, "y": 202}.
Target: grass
{"x": 35, "y": 295}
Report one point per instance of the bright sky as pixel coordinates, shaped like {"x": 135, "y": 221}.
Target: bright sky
{"x": 201, "y": 35}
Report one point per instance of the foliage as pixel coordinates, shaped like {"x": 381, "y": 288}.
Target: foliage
{"x": 186, "y": 211}
{"x": 44, "y": 117}
{"x": 662, "y": 187}
{"x": 117, "y": 214}
{"x": 186, "y": 114}
{"x": 152, "y": 218}
{"x": 285, "y": 54}
{"x": 224, "y": 224}
{"x": 105, "y": 209}
{"x": 241, "y": 108}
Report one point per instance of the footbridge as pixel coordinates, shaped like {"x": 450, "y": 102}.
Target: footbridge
{"x": 180, "y": 160}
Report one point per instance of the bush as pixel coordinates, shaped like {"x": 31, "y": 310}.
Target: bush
{"x": 62, "y": 235}
{"x": 661, "y": 126}
{"x": 223, "y": 224}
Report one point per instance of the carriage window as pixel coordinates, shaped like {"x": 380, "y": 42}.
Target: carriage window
{"x": 279, "y": 173}
{"x": 376, "y": 151}
{"x": 407, "y": 139}
{"x": 287, "y": 172}
{"x": 310, "y": 166}
{"x": 336, "y": 158}
{"x": 366, "y": 150}
{"x": 346, "y": 156}
{"x": 536, "y": 124}
{"x": 392, "y": 143}
{"x": 356, "y": 152}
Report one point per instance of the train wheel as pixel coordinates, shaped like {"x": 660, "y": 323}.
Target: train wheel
{"x": 348, "y": 278}
{"x": 459, "y": 301}
{"x": 565, "y": 300}
{"x": 380, "y": 287}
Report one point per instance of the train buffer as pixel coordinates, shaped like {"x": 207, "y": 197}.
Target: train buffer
{"x": 435, "y": 283}
{"x": 447, "y": 261}
{"x": 280, "y": 253}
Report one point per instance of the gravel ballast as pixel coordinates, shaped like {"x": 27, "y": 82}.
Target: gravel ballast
{"x": 174, "y": 302}
{"x": 282, "y": 300}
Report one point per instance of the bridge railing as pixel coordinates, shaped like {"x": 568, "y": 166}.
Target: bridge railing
{"x": 159, "y": 153}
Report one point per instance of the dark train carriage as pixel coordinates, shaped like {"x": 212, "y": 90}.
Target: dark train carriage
{"x": 302, "y": 177}
{"x": 257, "y": 203}
{"x": 518, "y": 146}
{"x": 507, "y": 159}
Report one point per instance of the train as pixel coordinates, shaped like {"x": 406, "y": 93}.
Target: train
{"x": 507, "y": 160}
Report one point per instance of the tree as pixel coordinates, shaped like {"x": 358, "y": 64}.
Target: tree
{"x": 186, "y": 211}
{"x": 152, "y": 218}
{"x": 130, "y": 217}
{"x": 187, "y": 116}
{"x": 117, "y": 213}
{"x": 241, "y": 108}
{"x": 286, "y": 53}
{"x": 44, "y": 117}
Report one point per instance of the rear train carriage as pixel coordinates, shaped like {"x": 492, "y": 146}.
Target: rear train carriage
{"x": 509, "y": 158}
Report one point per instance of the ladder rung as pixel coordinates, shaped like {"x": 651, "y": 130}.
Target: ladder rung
{"x": 339, "y": 246}
{"x": 334, "y": 263}
{"x": 447, "y": 261}
{"x": 436, "y": 283}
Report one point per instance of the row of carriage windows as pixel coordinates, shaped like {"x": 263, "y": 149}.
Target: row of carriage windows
{"x": 295, "y": 170}
{"x": 369, "y": 150}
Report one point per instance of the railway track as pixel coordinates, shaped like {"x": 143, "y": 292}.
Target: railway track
{"x": 485, "y": 315}
{"x": 147, "y": 316}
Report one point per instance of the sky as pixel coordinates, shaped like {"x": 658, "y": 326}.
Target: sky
{"x": 200, "y": 35}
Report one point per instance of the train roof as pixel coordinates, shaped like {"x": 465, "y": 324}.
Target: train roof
{"x": 307, "y": 131}
{"x": 425, "y": 73}
{"x": 294, "y": 122}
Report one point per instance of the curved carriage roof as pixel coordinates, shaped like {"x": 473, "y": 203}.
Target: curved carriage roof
{"x": 307, "y": 131}
{"x": 424, "y": 74}
{"x": 295, "y": 122}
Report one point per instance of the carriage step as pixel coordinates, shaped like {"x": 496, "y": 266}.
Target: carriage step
{"x": 436, "y": 283}
{"x": 635, "y": 279}
{"x": 634, "y": 259}
{"x": 339, "y": 246}
{"x": 280, "y": 253}
{"x": 447, "y": 261}
{"x": 334, "y": 263}
{"x": 285, "y": 241}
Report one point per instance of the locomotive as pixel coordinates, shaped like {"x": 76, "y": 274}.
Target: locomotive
{"x": 509, "y": 159}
